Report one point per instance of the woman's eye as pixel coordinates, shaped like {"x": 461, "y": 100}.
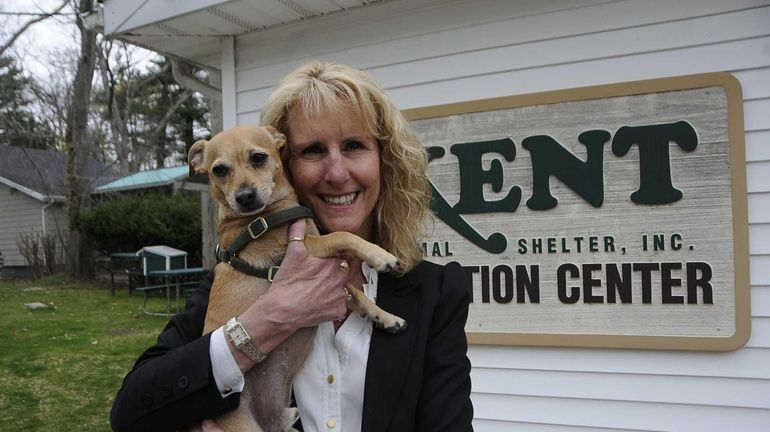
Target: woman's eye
{"x": 312, "y": 150}
{"x": 258, "y": 159}
{"x": 311, "y": 153}
{"x": 220, "y": 170}
{"x": 354, "y": 145}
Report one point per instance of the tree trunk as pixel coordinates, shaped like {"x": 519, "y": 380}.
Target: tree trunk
{"x": 79, "y": 150}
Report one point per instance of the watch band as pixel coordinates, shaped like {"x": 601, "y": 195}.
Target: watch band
{"x": 242, "y": 340}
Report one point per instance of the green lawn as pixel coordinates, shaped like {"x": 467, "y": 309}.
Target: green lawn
{"x": 61, "y": 367}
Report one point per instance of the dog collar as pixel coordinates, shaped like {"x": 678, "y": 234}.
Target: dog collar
{"x": 253, "y": 231}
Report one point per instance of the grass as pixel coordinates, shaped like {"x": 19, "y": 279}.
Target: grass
{"x": 61, "y": 367}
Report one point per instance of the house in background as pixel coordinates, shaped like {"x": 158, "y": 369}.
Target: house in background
{"x": 432, "y": 52}
{"x": 32, "y": 198}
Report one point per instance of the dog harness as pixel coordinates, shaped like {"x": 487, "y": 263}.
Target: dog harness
{"x": 253, "y": 231}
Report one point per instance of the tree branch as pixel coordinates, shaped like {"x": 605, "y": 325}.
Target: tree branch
{"x": 28, "y": 24}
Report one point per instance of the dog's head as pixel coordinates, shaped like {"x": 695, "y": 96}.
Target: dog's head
{"x": 244, "y": 167}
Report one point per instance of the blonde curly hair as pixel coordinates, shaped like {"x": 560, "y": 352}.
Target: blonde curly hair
{"x": 405, "y": 190}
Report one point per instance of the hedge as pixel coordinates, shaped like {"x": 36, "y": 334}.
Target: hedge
{"x": 131, "y": 222}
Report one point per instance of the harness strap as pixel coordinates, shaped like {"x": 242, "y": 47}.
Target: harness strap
{"x": 253, "y": 231}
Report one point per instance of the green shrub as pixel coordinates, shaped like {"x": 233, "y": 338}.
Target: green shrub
{"x": 132, "y": 222}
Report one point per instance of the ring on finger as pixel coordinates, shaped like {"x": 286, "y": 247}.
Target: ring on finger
{"x": 347, "y": 293}
{"x": 296, "y": 239}
{"x": 345, "y": 266}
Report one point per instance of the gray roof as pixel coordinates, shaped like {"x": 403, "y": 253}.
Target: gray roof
{"x": 42, "y": 173}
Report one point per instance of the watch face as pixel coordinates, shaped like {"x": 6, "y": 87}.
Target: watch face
{"x": 240, "y": 339}
{"x": 237, "y": 333}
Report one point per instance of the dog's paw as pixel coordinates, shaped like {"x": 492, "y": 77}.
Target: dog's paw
{"x": 382, "y": 261}
{"x": 390, "y": 323}
{"x": 290, "y": 416}
{"x": 397, "y": 327}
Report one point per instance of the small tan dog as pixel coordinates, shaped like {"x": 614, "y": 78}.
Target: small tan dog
{"x": 247, "y": 179}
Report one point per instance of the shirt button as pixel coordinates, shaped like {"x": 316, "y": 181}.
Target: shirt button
{"x": 330, "y": 379}
{"x": 331, "y": 423}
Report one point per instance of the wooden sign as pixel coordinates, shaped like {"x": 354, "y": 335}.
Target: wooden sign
{"x": 609, "y": 216}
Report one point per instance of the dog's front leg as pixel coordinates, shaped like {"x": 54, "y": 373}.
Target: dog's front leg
{"x": 340, "y": 243}
{"x": 360, "y": 303}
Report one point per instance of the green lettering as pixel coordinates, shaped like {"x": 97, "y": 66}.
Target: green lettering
{"x": 473, "y": 177}
{"x": 655, "y": 185}
{"x": 551, "y": 158}
{"x": 496, "y": 243}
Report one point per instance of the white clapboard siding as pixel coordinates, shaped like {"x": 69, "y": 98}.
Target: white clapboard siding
{"x": 758, "y": 143}
{"x": 760, "y": 301}
{"x": 20, "y": 214}
{"x": 760, "y": 334}
{"x": 598, "y": 414}
{"x": 440, "y": 32}
{"x": 726, "y": 56}
{"x": 429, "y": 52}
{"x": 759, "y": 266}
{"x": 605, "y": 47}
{"x": 749, "y": 363}
{"x": 759, "y": 231}
{"x": 759, "y": 206}
{"x": 508, "y": 426}
{"x": 757, "y": 177}
{"x": 754, "y": 82}
{"x": 630, "y": 387}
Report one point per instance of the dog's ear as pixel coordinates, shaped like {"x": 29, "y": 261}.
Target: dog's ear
{"x": 195, "y": 157}
{"x": 279, "y": 138}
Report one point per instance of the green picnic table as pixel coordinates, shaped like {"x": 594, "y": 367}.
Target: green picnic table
{"x": 172, "y": 279}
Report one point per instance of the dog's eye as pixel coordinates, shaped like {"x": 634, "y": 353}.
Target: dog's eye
{"x": 220, "y": 170}
{"x": 258, "y": 159}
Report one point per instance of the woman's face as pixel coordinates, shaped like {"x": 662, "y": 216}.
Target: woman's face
{"x": 335, "y": 165}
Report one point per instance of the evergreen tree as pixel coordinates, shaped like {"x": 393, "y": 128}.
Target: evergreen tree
{"x": 18, "y": 125}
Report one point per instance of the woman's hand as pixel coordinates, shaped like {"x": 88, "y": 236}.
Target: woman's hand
{"x": 305, "y": 292}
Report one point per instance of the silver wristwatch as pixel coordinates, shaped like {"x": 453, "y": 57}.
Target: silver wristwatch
{"x": 242, "y": 340}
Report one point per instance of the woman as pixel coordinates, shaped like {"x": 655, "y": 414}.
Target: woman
{"x": 356, "y": 164}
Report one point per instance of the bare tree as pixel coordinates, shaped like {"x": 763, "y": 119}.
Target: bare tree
{"x": 135, "y": 135}
{"x": 78, "y": 147}
{"x": 38, "y": 17}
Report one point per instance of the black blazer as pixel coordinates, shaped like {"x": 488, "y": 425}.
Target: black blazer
{"x": 418, "y": 380}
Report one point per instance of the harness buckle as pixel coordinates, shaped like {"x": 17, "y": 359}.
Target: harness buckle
{"x": 222, "y": 256}
{"x": 262, "y": 229}
{"x": 271, "y": 273}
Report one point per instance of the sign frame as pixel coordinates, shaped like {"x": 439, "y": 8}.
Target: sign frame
{"x": 739, "y": 202}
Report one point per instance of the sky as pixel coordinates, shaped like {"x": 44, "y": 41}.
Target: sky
{"x": 41, "y": 42}
{"x": 44, "y": 42}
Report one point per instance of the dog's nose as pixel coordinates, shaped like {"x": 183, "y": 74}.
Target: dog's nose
{"x": 246, "y": 197}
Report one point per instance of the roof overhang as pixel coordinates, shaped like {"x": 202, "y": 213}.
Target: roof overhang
{"x": 32, "y": 193}
{"x": 193, "y": 29}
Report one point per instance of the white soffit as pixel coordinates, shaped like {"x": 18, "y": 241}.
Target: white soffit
{"x": 192, "y": 30}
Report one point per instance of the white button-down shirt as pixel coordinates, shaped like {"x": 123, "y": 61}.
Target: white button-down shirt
{"x": 329, "y": 389}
